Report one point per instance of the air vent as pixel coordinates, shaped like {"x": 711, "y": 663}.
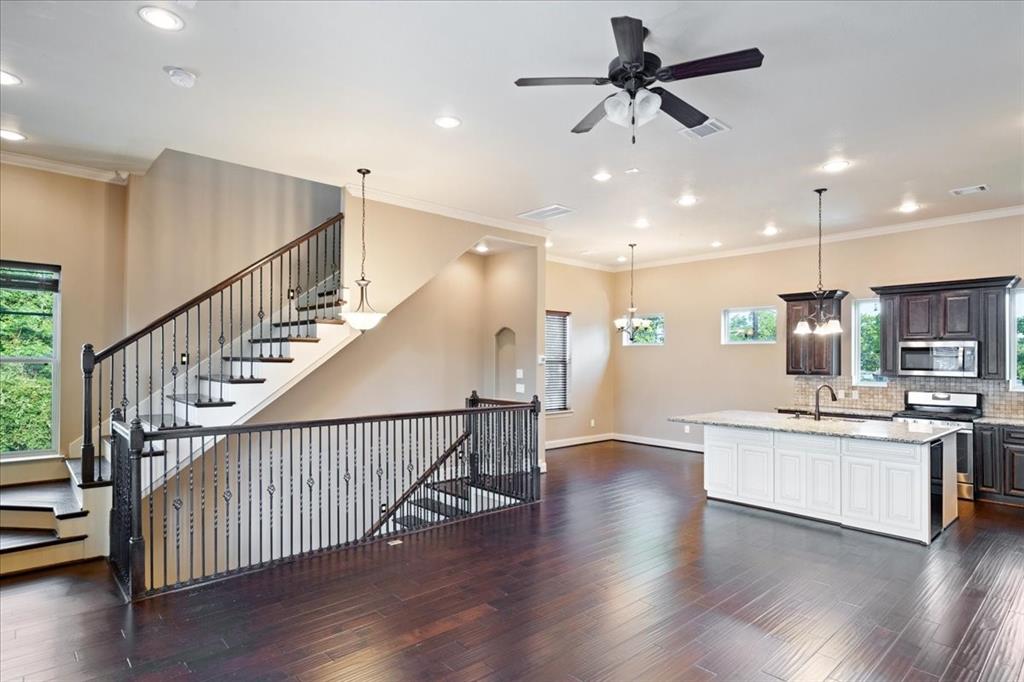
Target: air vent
{"x": 706, "y": 129}
{"x": 547, "y": 213}
{"x": 961, "y": 191}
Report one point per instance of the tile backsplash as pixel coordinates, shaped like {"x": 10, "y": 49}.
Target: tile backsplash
{"x": 996, "y": 401}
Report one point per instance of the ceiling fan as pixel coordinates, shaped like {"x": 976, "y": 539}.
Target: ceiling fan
{"x": 633, "y": 72}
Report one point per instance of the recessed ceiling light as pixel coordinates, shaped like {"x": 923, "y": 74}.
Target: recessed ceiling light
{"x": 11, "y": 135}
{"x": 482, "y": 248}
{"x": 836, "y": 165}
{"x": 9, "y": 79}
{"x": 602, "y": 176}
{"x": 447, "y": 122}
{"x": 632, "y": 171}
{"x": 621, "y": 259}
{"x": 183, "y": 78}
{"x": 548, "y": 243}
{"x": 715, "y": 244}
{"x": 642, "y": 223}
{"x": 686, "y": 200}
{"x": 770, "y": 230}
{"x": 909, "y": 206}
{"x": 161, "y": 18}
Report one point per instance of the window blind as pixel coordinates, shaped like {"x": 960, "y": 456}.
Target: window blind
{"x": 556, "y": 368}
{"x": 29, "y": 276}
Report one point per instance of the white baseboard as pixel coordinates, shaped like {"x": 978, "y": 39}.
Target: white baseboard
{"x": 629, "y": 438}
{"x": 578, "y": 440}
{"x": 659, "y": 442}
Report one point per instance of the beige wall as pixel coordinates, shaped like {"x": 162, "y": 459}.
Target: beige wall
{"x": 694, "y": 372}
{"x": 510, "y": 302}
{"x": 77, "y": 224}
{"x": 587, "y": 294}
{"x": 193, "y": 221}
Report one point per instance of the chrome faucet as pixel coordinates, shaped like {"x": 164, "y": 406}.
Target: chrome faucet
{"x": 817, "y": 400}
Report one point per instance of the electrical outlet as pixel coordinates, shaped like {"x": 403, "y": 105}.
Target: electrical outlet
{"x": 541, "y": 359}
{"x": 593, "y": 423}
{"x": 520, "y": 388}
{"x": 841, "y": 393}
{"x": 686, "y": 428}
{"x": 519, "y": 374}
{"x": 855, "y": 395}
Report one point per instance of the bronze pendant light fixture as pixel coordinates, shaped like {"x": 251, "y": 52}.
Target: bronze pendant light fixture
{"x": 629, "y": 324}
{"x": 364, "y": 316}
{"x": 818, "y": 322}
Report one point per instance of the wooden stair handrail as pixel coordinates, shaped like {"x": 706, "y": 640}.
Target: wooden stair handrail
{"x": 415, "y": 486}
{"x": 215, "y": 289}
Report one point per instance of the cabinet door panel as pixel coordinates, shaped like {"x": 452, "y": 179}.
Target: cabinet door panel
{"x": 901, "y": 495}
{"x": 889, "y": 331}
{"x": 988, "y": 470}
{"x": 992, "y": 337}
{"x": 958, "y": 314}
{"x": 720, "y": 468}
{"x": 796, "y": 362}
{"x": 823, "y": 476}
{"x": 790, "y": 478}
{"x": 918, "y": 316}
{"x": 1014, "y": 460}
{"x": 755, "y": 473}
{"x": 860, "y": 489}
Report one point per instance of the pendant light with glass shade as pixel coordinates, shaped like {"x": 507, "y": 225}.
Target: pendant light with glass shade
{"x": 364, "y": 316}
{"x": 819, "y": 323}
{"x": 629, "y": 324}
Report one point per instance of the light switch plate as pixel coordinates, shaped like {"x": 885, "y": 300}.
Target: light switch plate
{"x": 841, "y": 393}
{"x": 520, "y": 388}
{"x": 855, "y": 395}
{"x": 519, "y": 374}
{"x": 541, "y": 359}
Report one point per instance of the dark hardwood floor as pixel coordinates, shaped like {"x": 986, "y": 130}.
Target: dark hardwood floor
{"x": 623, "y": 572}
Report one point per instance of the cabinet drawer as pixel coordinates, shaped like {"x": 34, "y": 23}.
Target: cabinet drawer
{"x": 730, "y": 435}
{"x": 1013, "y": 434}
{"x": 881, "y": 449}
{"x": 799, "y": 441}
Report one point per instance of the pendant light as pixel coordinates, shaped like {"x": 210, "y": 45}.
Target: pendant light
{"x": 819, "y": 323}
{"x": 364, "y": 316}
{"x": 630, "y": 324}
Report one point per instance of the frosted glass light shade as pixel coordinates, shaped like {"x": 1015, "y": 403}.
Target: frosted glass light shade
{"x": 802, "y": 327}
{"x": 833, "y": 327}
{"x": 616, "y": 108}
{"x": 363, "y": 321}
{"x": 647, "y": 105}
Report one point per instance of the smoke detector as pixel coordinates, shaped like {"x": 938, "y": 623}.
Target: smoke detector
{"x": 961, "y": 191}
{"x": 710, "y": 127}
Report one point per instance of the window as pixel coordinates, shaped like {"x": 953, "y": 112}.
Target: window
{"x": 29, "y": 339}
{"x": 1017, "y": 340}
{"x": 749, "y": 325}
{"x": 651, "y": 336}
{"x": 867, "y": 343}
{"x": 557, "y": 362}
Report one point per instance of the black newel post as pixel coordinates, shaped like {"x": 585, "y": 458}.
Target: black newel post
{"x": 473, "y": 426}
{"x": 136, "y": 543}
{"x": 88, "y": 449}
{"x": 535, "y": 447}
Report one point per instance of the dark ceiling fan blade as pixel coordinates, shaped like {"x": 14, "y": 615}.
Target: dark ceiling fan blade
{"x": 723, "y": 63}
{"x": 591, "y": 119}
{"x": 629, "y": 38}
{"x": 562, "y": 81}
{"x": 680, "y": 110}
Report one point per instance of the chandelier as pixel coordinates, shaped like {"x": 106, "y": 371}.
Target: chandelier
{"x": 818, "y": 322}
{"x": 629, "y": 324}
{"x": 364, "y": 316}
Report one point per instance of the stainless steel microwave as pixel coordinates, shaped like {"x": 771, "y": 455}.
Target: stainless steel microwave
{"x": 938, "y": 358}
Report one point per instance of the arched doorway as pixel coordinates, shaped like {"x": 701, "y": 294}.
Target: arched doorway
{"x": 505, "y": 363}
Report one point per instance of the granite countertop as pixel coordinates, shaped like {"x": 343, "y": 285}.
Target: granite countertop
{"x": 1001, "y": 421}
{"x": 832, "y": 409}
{"x": 897, "y": 432}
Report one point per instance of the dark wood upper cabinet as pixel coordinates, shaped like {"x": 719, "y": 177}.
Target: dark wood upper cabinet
{"x": 959, "y": 316}
{"x": 889, "y": 334}
{"x": 813, "y": 354}
{"x": 960, "y": 310}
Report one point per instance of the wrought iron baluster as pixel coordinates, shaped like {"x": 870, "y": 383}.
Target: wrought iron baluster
{"x": 231, "y": 333}
{"x": 318, "y": 287}
{"x": 280, "y": 500}
{"x": 308, "y": 290}
{"x": 252, "y": 327}
{"x": 260, "y": 315}
{"x": 209, "y": 352}
{"x": 185, "y": 363}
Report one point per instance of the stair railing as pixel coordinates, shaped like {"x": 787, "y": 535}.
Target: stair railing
{"x": 157, "y": 374}
{"x": 259, "y": 494}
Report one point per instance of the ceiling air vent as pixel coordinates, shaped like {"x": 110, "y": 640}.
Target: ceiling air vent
{"x": 706, "y": 129}
{"x": 961, "y": 191}
{"x": 547, "y": 213}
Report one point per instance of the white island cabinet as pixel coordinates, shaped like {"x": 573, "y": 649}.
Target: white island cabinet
{"x": 884, "y": 477}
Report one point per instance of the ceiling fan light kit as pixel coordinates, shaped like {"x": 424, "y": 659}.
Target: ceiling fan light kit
{"x": 634, "y": 71}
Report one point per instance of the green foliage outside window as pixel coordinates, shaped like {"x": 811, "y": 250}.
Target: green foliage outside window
{"x": 651, "y": 336}
{"x": 869, "y": 342}
{"x": 751, "y": 326}
{"x": 26, "y": 387}
{"x": 1020, "y": 338}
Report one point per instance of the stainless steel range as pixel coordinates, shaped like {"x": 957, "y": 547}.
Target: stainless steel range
{"x": 953, "y": 410}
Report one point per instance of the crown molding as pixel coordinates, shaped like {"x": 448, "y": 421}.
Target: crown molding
{"x": 86, "y": 172}
{"x": 581, "y": 263}
{"x": 866, "y": 233}
{"x": 447, "y": 211}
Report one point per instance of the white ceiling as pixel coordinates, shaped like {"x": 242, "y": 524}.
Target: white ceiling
{"x": 923, "y": 97}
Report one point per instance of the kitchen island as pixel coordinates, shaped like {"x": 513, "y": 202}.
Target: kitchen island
{"x": 892, "y": 478}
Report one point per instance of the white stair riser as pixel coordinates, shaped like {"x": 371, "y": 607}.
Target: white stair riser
{"x": 28, "y": 559}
